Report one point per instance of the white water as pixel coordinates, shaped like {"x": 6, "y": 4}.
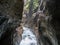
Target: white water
{"x": 28, "y": 38}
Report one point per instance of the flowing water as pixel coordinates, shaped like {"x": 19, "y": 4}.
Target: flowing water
{"x": 28, "y": 38}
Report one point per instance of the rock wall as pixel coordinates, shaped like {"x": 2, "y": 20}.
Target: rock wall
{"x": 10, "y": 16}
{"x": 54, "y": 10}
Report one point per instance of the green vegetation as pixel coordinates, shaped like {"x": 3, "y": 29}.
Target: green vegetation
{"x": 35, "y": 4}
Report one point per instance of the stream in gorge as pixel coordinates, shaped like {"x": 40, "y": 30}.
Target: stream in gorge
{"x": 28, "y": 38}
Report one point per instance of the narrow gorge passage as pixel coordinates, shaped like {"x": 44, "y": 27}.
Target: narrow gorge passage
{"x": 29, "y": 22}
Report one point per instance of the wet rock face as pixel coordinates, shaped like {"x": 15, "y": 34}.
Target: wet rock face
{"x": 11, "y": 8}
{"x": 54, "y": 9}
{"x": 56, "y": 20}
{"x": 7, "y": 30}
{"x": 10, "y": 16}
